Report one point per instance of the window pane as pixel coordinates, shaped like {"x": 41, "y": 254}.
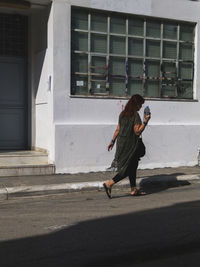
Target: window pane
{"x": 153, "y": 29}
{"x": 79, "y": 84}
{"x": 169, "y": 50}
{"x": 98, "y": 43}
{"x": 98, "y": 75}
{"x": 169, "y": 70}
{"x": 135, "y": 87}
{"x": 187, "y": 33}
{"x": 99, "y": 65}
{"x": 135, "y": 47}
{"x": 80, "y": 63}
{"x": 169, "y": 31}
{"x": 117, "y": 66}
{"x": 117, "y": 45}
{"x": 136, "y": 27}
{"x": 152, "y": 88}
{"x": 80, "y": 41}
{"x": 185, "y": 90}
{"x": 98, "y": 87}
{"x": 153, "y": 69}
{"x": 153, "y": 49}
{"x": 117, "y": 87}
{"x": 117, "y": 25}
{"x": 186, "y": 71}
{"x": 135, "y": 67}
{"x": 186, "y": 52}
{"x": 169, "y": 91}
{"x": 99, "y": 22}
{"x": 79, "y": 20}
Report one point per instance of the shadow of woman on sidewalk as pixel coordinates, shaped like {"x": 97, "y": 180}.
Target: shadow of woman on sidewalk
{"x": 161, "y": 182}
{"x": 157, "y": 183}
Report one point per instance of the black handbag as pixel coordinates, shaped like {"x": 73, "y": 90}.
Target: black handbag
{"x": 141, "y": 149}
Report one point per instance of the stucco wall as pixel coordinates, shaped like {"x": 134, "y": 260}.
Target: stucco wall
{"x": 42, "y": 69}
{"x": 84, "y": 127}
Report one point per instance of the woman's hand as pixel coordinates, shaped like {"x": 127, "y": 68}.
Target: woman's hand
{"x": 147, "y": 118}
{"x": 110, "y": 146}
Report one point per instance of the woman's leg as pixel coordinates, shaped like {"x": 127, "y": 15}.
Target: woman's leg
{"x": 117, "y": 178}
{"x": 132, "y": 178}
{"x": 132, "y": 175}
{"x": 108, "y": 185}
{"x": 131, "y": 172}
{"x": 113, "y": 181}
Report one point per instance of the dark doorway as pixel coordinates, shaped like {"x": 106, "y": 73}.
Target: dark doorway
{"x": 13, "y": 82}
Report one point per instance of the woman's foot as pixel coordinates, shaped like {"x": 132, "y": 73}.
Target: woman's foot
{"x": 133, "y": 191}
{"x": 137, "y": 192}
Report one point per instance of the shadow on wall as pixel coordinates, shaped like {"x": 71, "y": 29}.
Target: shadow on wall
{"x": 167, "y": 236}
{"x": 40, "y": 43}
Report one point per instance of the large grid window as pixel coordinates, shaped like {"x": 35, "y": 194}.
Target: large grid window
{"x": 120, "y": 55}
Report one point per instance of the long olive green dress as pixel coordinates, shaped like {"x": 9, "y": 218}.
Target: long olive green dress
{"x": 126, "y": 143}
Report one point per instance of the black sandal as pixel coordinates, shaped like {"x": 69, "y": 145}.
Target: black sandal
{"x": 108, "y": 190}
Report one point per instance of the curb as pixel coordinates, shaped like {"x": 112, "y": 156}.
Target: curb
{"x": 21, "y": 191}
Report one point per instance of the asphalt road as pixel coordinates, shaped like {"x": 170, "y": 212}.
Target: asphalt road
{"x": 87, "y": 229}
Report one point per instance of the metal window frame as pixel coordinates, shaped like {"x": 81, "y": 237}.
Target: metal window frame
{"x": 126, "y": 56}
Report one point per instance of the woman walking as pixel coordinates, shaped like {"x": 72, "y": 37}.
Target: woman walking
{"x": 127, "y": 133}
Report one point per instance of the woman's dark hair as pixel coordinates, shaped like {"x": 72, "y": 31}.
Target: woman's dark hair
{"x": 132, "y": 105}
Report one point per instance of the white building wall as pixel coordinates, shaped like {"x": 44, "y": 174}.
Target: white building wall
{"x": 84, "y": 126}
{"x": 42, "y": 69}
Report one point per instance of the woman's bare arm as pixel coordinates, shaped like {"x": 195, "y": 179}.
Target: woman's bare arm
{"x": 110, "y": 146}
{"x": 139, "y": 128}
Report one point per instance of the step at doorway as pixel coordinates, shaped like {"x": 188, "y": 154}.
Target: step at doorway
{"x": 21, "y": 163}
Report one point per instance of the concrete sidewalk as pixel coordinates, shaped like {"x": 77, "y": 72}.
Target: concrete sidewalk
{"x": 54, "y": 184}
